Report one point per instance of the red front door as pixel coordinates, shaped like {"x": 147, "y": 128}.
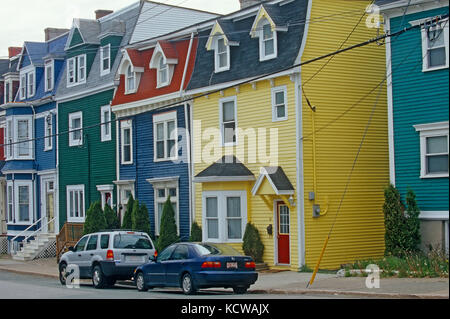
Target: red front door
{"x": 283, "y": 234}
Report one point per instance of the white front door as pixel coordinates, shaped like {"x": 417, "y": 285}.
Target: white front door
{"x": 48, "y": 205}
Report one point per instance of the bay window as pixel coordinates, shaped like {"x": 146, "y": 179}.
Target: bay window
{"x": 18, "y": 137}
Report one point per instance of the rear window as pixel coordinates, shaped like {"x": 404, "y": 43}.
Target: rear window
{"x": 216, "y": 249}
{"x": 104, "y": 241}
{"x": 132, "y": 241}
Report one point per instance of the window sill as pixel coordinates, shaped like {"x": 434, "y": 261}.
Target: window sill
{"x": 443, "y": 175}
{"x": 267, "y": 58}
{"x": 280, "y": 119}
{"x": 126, "y": 163}
{"x": 106, "y": 139}
{"x": 435, "y": 68}
{"x": 158, "y": 160}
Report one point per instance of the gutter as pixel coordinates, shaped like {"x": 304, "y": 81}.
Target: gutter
{"x": 188, "y": 59}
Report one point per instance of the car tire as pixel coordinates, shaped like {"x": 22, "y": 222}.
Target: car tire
{"x": 99, "y": 279}
{"x": 62, "y": 273}
{"x": 240, "y": 290}
{"x": 110, "y": 281}
{"x": 187, "y": 285}
{"x": 140, "y": 282}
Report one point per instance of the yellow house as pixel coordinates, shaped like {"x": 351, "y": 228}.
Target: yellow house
{"x": 275, "y": 144}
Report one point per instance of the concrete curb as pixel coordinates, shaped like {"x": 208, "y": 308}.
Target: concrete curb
{"x": 31, "y": 273}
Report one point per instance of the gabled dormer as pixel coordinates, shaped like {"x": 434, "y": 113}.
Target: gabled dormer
{"x": 111, "y": 36}
{"x": 164, "y": 60}
{"x": 221, "y": 38}
{"x": 268, "y": 22}
{"x": 131, "y": 67}
{"x": 27, "y": 71}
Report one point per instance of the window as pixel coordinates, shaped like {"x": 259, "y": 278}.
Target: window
{"x": 10, "y": 203}
{"x": 165, "y": 136}
{"x": 76, "y": 70}
{"x": 180, "y": 253}
{"x": 224, "y": 216}
{"x": 434, "y": 149}
{"x": 104, "y": 241}
{"x": 162, "y": 192}
{"x": 75, "y": 203}
{"x": 127, "y": 142}
{"x": 106, "y": 194}
{"x": 23, "y": 86}
{"x": 8, "y": 91}
{"x": 228, "y": 123}
{"x": 70, "y": 72}
{"x": 222, "y": 56}
{"x": 48, "y": 125}
{"x": 76, "y": 129}
{"x": 49, "y": 67}
{"x": 24, "y": 202}
{"x": 19, "y": 132}
{"x": 31, "y": 84}
{"x": 435, "y": 46}
{"x": 81, "y": 244}
{"x": 105, "y": 58}
{"x": 130, "y": 84}
{"x": 267, "y": 42}
{"x": 81, "y": 68}
{"x": 279, "y": 104}
{"x": 9, "y": 139}
{"x": 163, "y": 73}
{"x": 92, "y": 243}
{"x": 105, "y": 114}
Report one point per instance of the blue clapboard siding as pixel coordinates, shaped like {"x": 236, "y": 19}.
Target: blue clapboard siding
{"x": 418, "y": 98}
{"x": 144, "y": 168}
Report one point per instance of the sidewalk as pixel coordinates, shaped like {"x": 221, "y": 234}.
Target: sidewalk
{"x": 288, "y": 282}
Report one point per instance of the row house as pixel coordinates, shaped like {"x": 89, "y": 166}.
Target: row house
{"x": 418, "y": 117}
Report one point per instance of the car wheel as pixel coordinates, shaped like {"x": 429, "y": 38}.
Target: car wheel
{"x": 240, "y": 290}
{"x": 140, "y": 282}
{"x": 187, "y": 284}
{"x": 98, "y": 278}
{"x": 63, "y": 273}
{"x": 110, "y": 281}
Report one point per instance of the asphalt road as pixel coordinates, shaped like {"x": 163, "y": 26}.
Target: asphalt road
{"x": 16, "y": 286}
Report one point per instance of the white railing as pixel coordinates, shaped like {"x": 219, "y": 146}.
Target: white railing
{"x": 15, "y": 244}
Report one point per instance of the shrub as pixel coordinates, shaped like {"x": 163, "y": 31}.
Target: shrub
{"x": 112, "y": 221}
{"x": 196, "y": 233}
{"x": 95, "y": 219}
{"x": 127, "y": 222}
{"x": 140, "y": 218}
{"x": 168, "y": 229}
{"x": 395, "y": 222}
{"x": 252, "y": 244}
{"x": 413, "y": 221}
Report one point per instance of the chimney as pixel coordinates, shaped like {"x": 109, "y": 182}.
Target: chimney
{"x": 51, "y": 33}
{"x": 101, "y": 13}
{"x": 248, "y": 3}
{"x": 13, "y": 51}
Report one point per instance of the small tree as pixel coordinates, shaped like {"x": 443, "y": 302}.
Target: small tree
{"x": 196, "y": 233}
{"x": 252, "y": 244}
{"x": 140, "y": 218}
{"x": 112, "y": 221}
{"x": 168, "y": 229}
{"x": 413, "y": 221}
{"x": 127, "y": 222}
{"x": 95, "y": 219}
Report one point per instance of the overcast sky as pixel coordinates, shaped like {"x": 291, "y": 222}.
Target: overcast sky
{"x": 26, "y": 20}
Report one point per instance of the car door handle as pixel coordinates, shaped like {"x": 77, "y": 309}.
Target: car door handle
{"x": 79, "y": 255}
{"x": 92, "y": 254}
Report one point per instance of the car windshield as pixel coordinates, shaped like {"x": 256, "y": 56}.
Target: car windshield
{"x": 216, "y": 249}
{"x": 132, "y": 241}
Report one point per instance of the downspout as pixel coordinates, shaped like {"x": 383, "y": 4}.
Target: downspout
{"x": 187, "y": 117}
{"x": 188, "y": 58}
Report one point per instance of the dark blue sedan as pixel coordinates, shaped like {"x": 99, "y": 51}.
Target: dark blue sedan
{"x": 193, "y": 266}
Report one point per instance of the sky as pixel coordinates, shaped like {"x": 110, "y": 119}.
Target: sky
{"x": 26, "y": 20}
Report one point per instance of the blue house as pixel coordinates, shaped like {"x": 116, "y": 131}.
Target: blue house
{"x": 418, "y": 101}
{"x": 31, "y": 153}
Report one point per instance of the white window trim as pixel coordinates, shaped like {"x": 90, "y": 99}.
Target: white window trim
{"x": 262, "y": 54}
{"x": 74, "y": 77}
{"x": 81, "y": 203}
{"x": 104, "y": 189}
{"x": 28, "y": 118}
{"x": 23, "y": 86}
{"x": 102, "y": 58}
{"x": 10, "y": 186}
{"x": 105, "y": 137}
{"x": 72, "y": 141}
{"x": 164, "y": 119}
{"x": 80, "y": 57}
{"x": 275, "y": 117}
{"x": 48, "y": 139}
{"x": 29, "y": 184}
{"x": 134, "y": 76}
{"x": 222, "y": 135}
{"x": 8, "y": 91}
{"x": 219, "y": 69}
{"x": 127, "y": 124}
{"x": 76, "y": 70}
{"x": 425, "y": 67}
{"x": 221, "y": 213}
{"x": 31, "y": 85}
{"x": 161, "y": 84}
{"x": 49, "y": 65}
{"x": 166, "y": 186}
{"x": 9, "y": 139}
{"x": 430, "y": 130}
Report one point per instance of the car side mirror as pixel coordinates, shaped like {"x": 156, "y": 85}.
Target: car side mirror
{"x": 72, "y": 249}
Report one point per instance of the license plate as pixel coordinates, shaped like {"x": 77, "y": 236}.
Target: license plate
{"x": 232, "y": 265}
{"x": 135, "y": 259}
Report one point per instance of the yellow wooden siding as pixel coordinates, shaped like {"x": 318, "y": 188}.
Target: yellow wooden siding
{"x": 359, "y": 229}
{"x": 254, "y": 109}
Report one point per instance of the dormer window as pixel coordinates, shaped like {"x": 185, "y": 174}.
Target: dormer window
{"x": 131, "y": 80}
{"x": 163, "y": 73}
{"x": 27, "y": 87}
{"x": 49, "y": 67}
{"x": 220, "y": 42}
{"x": 76, "y": 70}
{"x": 105, "y": 58}
{"x": 164, "y": 59}
{"x": 267, "y": 42}
{"x": 222, "y": 56}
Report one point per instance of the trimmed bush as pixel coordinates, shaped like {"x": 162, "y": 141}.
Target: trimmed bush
{"x": 140, "y": 218}
{"x": 127, "y": 222}
{"x": 112, "y": 221}
{"x": 168, "y": 229}
{"x": 196, "y": 233}
{"x": 413, "y": 221}
{"x": 252, "y": 244}
{"x": 95, "y": 219}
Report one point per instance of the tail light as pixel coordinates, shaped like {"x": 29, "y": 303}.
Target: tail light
{"x": 211, "y": 264}
{"x": 155, "y": 254}
{"x": 109, "y": 255}
{"x": 250, "y": 264}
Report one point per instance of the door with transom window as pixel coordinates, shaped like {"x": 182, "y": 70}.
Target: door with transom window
{"x": 283, "y": 234}
{"x": 48, "y": 205}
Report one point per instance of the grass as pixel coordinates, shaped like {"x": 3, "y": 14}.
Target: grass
{"x": 411, "y": 265}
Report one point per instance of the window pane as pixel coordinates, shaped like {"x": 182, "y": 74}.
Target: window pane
{"x": 436, "y": 38}
{"x": 173, "y": 192}
{"x": 233, "y": 207}
{"x": 281, "y": 111}
{"x": 436, "y": 145}
{"x": 170, "y": 129}
{"x": 279, "y": 98}
{"x": 211, "y": 207}
{"x": 126, "y": 136}
{"x": 71, "y": 204}
{"x": 269, "y": 47}
{"x": 127, "y": 153}
{"x": 160, "y": 131}
{"x": 234, "y": 229}
{"x": 76, "y": 204}
{"x": 437, "y": 57}
{"x": 171, "y": 148}
{"x": 160, "y": 149}
{"x": 92, "y": 243}
{"x": 223, "y": 60}
{"x": 162, "y": 193}
{"x": 160, "y": 211}
{"x": 437, "y": 164}
{"x": 221, "y": 45}
{"x": 104, "y": 241}
{"x": 228, "y": 111}
{"x": 267, "y": 32}
{"x": 24, "y": 203}
{"x": 229, "y": 133}
{"x": 213, "y": 228}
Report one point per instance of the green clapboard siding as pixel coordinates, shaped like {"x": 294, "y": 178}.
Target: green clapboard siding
{"x": 93, "y": 163}
{"x": 76, "y": 38}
